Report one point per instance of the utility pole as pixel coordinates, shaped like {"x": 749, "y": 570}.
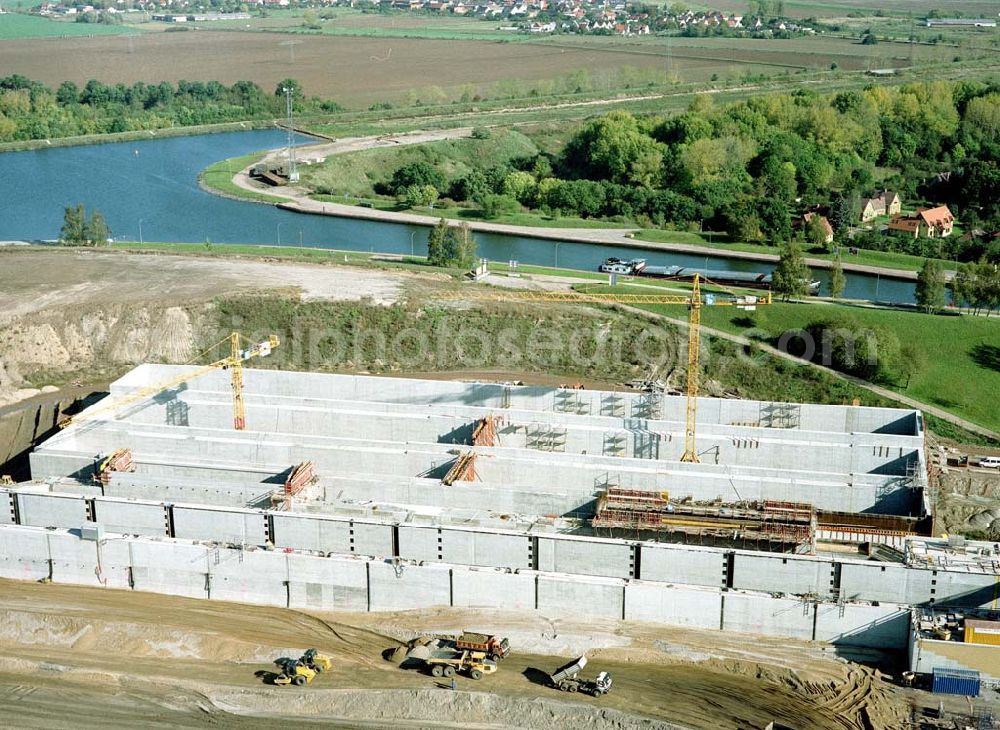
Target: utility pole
{"x": 293, "y": 172}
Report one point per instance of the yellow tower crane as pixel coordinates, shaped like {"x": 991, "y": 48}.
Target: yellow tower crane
{"x": 694, "y": 301}
{"x": 233, "y": 363}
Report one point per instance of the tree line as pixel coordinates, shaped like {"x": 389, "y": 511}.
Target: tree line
{"x": 751, "y": 168}
{"x": 31, "y": 110}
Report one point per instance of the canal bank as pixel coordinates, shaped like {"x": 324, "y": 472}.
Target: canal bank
{"x": 148, "y": 190}
{"x": 604, "y": 236}
{"x": 297, "y": 199}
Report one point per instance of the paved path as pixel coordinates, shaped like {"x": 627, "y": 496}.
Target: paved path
{"x": 297, "y": 199}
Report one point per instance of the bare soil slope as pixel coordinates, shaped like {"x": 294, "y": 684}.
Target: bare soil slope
{"x": 122, "y": 660}
{"x": 70, "y": 310}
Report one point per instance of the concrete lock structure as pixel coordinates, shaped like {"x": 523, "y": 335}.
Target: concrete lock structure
{"x": 433, "y": 493}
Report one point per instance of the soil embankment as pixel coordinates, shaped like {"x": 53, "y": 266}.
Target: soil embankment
{"x": 125, "y": 659}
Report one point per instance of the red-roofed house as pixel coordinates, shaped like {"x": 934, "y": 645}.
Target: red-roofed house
{"x": 930, "y": 222}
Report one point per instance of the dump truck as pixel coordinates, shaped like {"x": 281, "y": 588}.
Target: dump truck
{"x": 566, "y": 678}
{"x": 491, "y": 646}
{"x": 446, "y": 662}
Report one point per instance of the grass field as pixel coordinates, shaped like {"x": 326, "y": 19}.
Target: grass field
{"x": 14, "y": 26}
{"x": 408, "y": 71}
{"x": 962, "y": 371}
{"x": 888, "y": 259}
{"x": 838, "y": 8}
{"x": 355, "y": 173}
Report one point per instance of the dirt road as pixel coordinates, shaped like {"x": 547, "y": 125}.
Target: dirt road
{"x": 81, "y": 658}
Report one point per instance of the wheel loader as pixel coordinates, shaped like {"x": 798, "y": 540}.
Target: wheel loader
{"x": 293, "y": 671}
{"x": 316, "y": 661}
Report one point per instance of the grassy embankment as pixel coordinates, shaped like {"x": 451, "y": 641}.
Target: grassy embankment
{"x": 864, "y": 257}
{"x": 959, "y": 359}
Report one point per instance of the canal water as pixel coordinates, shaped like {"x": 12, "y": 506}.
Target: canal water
{"x": 148, "y": 190}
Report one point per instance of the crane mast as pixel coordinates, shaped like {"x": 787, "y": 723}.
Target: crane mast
{"x": 694, "y": 301}
{"x": 233, "y": 362}
{"x": 693, "y": 371}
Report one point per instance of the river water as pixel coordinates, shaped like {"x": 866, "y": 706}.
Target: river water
{"x": 148, "y": 190}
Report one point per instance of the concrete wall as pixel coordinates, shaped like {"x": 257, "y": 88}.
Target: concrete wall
{"x": 243, "y": 527}
{"x": 51, "y": 510}
{"x": 560, "y": 482}
{"x": 493, "y": 588}
{"x": 279, "y": 578}
{"x": 324, "y": 387}
{"x": 782, "y": 573}
{"x": 862, "y": 625}
{"x": 676, "y": 564}
{"x": 132, "y": 518}
{"x": 919, "y": 586}
{"x": 393, "y": 587}
{"x": 673, "y": 605}
{"x": 611, "y": 558}
{"x": 560, "y": 595}
{"x": 329, "y": 535}
{"x": 755, "y": 614}
{"x": 520, "y": 550}
{"x": 327, "y": 584}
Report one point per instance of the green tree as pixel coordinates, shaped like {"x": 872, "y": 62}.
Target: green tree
{"x": 930, "y": 286}
{"x": 519, "y": 185}
{"x": 310, "y": 20}
{"x": 912, "y": 360}
{"x": 791, "y": 276}
{"x": 495, "y": 206}
{"x": 837, "y": 280}
{"x": 608, "y": 147}
{"x": 815, "y": 232}
{"x": 460, "y": 246}
{"x": 418, "y": 173}
{"x": 97, "y": 231}
{"x": 74, "y": 229}
{"x": 841, "y": 342}
{"x": 415, "y": 196}
{"x": 292, "y": 84}
{"x": 436, "y": 254}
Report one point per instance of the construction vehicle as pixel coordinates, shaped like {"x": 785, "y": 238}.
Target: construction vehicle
{"x": 446, "y": 662}
{"x": 233, "y": 363}
{"x": 316, "y": 661}
{"x": 293, "y": 671}
{"x": 492, "y": 647}
{"x": 566, "y": 678}
{"x": 694, "y": 301}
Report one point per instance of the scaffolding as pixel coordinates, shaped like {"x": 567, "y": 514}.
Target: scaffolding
{"x": 119, "y": 460}
{"x": 771, "y": 522}
{"x": 781, "y": 415}
{"x": 569, "y": 400}
{"x": 546, "y": 437}
{"x": 613, "y": 405}
{"x": 463, "y": 470}
{"x": 300, "y": 477}
{"x": 486, "y": 431}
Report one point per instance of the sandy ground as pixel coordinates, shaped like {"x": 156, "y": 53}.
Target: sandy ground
{"x": 65, "y": 310}
{"x": 125, "y": 660}
{"x": 33, "y": 280}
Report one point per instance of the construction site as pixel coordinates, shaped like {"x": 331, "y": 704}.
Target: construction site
{"x": 685, "y": 541}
